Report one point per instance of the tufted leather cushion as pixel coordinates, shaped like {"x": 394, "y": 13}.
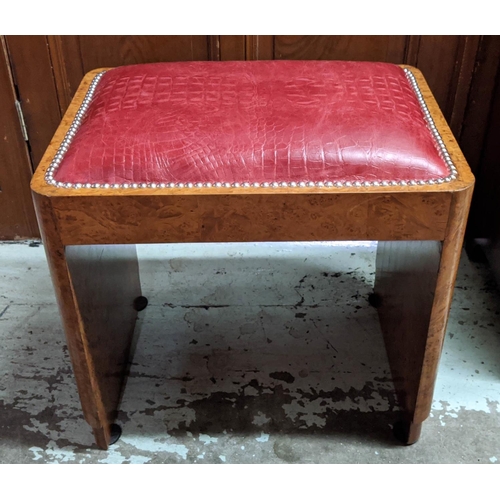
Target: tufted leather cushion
{"x": 262, "y": 121}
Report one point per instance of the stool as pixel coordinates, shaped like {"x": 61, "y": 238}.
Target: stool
{"x": 251, "y": 152}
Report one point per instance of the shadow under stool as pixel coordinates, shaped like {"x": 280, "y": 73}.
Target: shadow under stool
{"x": 252, "y": 152}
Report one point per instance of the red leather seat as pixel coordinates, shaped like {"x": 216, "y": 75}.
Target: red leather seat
{"x": 276, "y": 123}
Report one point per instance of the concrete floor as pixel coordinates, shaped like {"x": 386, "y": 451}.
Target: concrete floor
{"x": 254, "y": 353}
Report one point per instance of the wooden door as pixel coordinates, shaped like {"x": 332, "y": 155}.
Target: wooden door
{"x": 17, "y": 217}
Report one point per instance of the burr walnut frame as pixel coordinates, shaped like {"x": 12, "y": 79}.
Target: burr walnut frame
{"x": 90, "y": 235}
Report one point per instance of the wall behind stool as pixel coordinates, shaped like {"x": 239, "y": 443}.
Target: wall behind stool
{"x": 460, "y": 69}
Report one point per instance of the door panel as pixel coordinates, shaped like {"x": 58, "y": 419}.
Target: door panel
{"x": 32, "y": 70}
{"x": 347, "y": 48}
{"x": 17, "y": 216}
{"x": 99, "y": 51}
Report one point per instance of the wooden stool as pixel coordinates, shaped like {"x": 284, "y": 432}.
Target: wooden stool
{"x": 246, "y": 152}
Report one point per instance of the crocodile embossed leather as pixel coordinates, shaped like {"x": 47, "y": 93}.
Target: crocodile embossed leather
{"x": 259, "y": 123}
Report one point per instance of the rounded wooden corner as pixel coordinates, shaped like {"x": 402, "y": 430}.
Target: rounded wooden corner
{"x": 413, "y": 69}
{"x": 465, "y": 178}
{"x": 38, "y": 183}
{"x": 90, "y": 75}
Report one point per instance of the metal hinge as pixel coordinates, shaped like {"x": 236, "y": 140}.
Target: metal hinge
{"x": 21, "y": 120}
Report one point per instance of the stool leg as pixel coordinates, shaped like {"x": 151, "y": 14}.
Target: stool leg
{"x": 105, "y": 280}
{"x": 95, "y": 286}
{"x": 414, "y": 288}
{"x": 407, "y": 432}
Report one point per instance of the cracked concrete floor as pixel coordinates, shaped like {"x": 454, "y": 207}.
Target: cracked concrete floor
{"x": 248, "y": 353}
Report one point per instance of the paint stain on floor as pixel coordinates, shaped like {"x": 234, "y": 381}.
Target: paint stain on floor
{"x": 248, "y": 353}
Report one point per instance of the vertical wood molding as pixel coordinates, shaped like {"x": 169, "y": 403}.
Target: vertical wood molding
{"x": 412, "y": 48}
{"x": 447, "y": 62}
{"x": 214, "y": 48}
{"x": 59, "y": 69}
{"x": 462, "y": 78}
{"x": 64, "y": 67}
{"x": 259, "y": 47}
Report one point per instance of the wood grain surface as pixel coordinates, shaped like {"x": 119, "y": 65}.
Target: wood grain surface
{"x": 346, "y": 48}
{"x": 415, "y": 282}
{"x": 30, "y": 56}
{"x": 95, "y": 288}
{"x": 231, "y": 48}
{"x": 272, "y": 217}
{"x": 120, "y": 50}
{"x": 105, "y": 282}
{"x": 84, "y": 371}
{"x": 405, "y": 283}
{"x": 448, "y": 267}
{"x": 260, "y": 47}
{"x": 17, "y": 216}
{"x": 67, "y": 66}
